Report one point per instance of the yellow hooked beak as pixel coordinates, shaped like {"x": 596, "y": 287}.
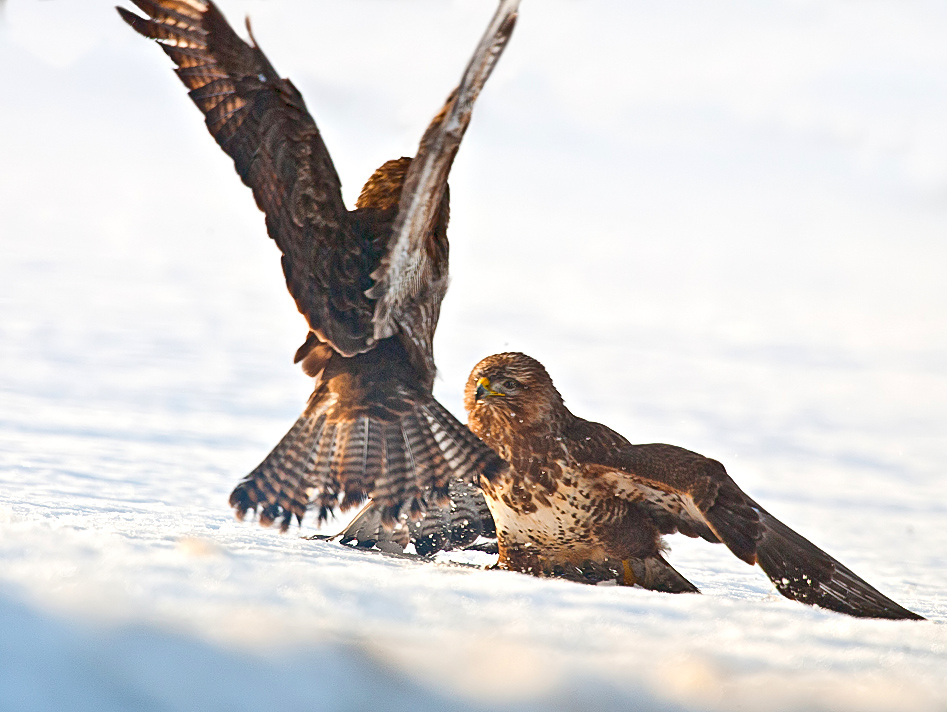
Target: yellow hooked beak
{"x": 483, "y": 388}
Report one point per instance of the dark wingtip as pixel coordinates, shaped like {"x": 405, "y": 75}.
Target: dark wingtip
{"x": 131, "y": 18}
{"x": 141, "y": 25}
{"x": 270, "y": 514}
{"x": 891, "y": 610}
{"x": 241, "y": 502}
{"x": 802, "y": 572}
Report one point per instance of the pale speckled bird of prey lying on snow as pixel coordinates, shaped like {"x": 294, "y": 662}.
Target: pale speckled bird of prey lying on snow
{"x": 581, "y": 502}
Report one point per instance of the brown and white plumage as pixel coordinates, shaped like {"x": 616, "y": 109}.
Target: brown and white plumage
{"x": 368, "y": 281}
{"x": 580, "y": 500}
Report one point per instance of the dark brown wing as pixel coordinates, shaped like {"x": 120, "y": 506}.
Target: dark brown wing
{"x": 261, "y": 122}
{"x": 384, "y": 437}
{"x": 695, "y": 495}
{"x": 404, "y": 278}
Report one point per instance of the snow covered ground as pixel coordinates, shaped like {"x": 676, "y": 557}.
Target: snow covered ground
{"x": 720, "y": 225}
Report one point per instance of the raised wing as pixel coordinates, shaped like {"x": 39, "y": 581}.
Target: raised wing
{"x": 261, "y": 122}
{"x": 695, "y": 495}
{"x": 406, "y": 271}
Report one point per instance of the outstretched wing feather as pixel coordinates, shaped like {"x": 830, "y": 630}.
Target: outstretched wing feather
{"x": 405, "y": 269}
{"x": 260, "y": 120}
{"x": 693, "y": 492}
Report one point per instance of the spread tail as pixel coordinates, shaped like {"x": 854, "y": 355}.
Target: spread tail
{"x": 404, "y": 460}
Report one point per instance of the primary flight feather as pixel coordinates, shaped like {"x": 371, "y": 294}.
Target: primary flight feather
{"x": 369, "y": 281}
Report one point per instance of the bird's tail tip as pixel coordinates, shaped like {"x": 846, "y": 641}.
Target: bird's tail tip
{"x": 404, "y": 462}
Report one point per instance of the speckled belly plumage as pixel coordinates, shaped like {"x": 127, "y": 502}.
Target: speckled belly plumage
{"x": 548, "y": 532}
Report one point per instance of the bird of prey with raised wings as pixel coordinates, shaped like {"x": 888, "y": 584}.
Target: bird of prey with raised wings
{"x": 580, "y": 501}
{"x": 369, "y": 281}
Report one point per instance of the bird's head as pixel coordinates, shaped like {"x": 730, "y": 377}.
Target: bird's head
{"x": 511, "y": 393}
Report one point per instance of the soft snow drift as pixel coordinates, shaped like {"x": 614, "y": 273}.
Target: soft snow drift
{"x": 720, "y": 226}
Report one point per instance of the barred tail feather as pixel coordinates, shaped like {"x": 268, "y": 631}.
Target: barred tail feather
{"x": 352, "y": 460}
{"x": 321, "y": 471}
{"x": 405, "y": 464}
{"x": 466, "y": 454}
{"x": 420, "y": 439}
{"x": 277, "y": 487}
{"x": 398, "y": 479}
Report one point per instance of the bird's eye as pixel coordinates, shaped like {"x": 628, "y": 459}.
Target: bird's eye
{"x": 509, "y": 384}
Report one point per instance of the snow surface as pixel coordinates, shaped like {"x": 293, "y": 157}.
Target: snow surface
{"x": 720, "y": 225}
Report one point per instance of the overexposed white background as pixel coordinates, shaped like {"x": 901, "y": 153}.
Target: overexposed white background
{"x": 719, "y": 225}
